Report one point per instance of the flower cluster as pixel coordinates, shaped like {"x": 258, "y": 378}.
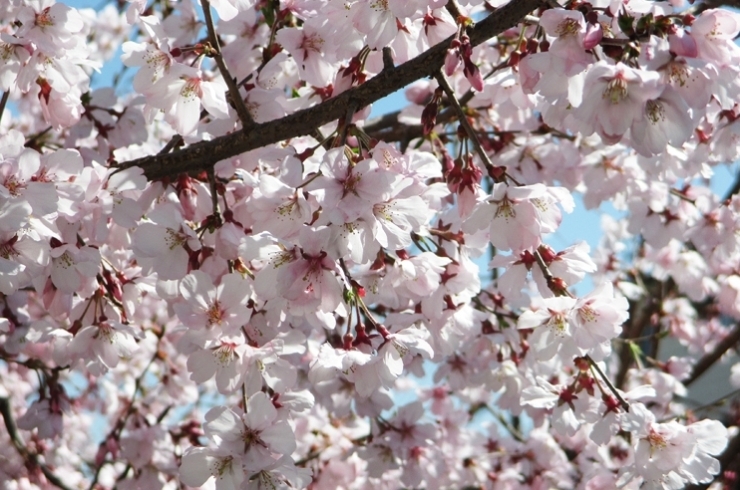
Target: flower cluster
{"x": 231, "y": 276}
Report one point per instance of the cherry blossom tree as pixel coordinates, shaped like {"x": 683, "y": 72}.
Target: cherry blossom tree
{"x": 221, "y": 272}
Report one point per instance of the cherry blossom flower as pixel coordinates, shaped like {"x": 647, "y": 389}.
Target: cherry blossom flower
{"x": 519, "y": 216}
{"x": 102, "y": 346}
{"x": 378, "y": 19}
{"x": 714, "y": 31}
{"x": 305, "y": 277}
{"x": 52, "y": 27}
{"x": 154, "y": 58}
{"x": 181, "y": 92}
{"x": 214, "y": 309}
{"x": 224, "y": 358}
{"x": 14, "y": 55}
{"x": 167, "y": 240}
{"x": 668, "y": 453}
{"x": 72, "y": 267}
{"x": 553, "y": 332}
{"x": 597, "y": 319}
{"x": 300, "y": 302}
{"x": 246, "y": 444}
{"x": 348, "y": 191}
{"x": 614, "y": 98}
{"x": 306, "y": 45}
{"x": 667, "y": 120}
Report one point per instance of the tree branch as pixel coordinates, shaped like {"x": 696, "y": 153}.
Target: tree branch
{"x": 236, "y": 99}
{"x": 205, "y": 154}
{"x": 708, "y": 360}
{"x": 22, "y": 450}
{"x": 3, "y": 101}
{"x": 472, "y": 136}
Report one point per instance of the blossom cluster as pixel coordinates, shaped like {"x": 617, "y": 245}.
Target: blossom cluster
{"x": 261, "y": 320}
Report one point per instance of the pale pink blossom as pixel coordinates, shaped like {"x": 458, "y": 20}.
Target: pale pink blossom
{"x": 306, "y": 45}
{"x": 72, "y": 268}
{"x": 666, "y": 121}
{"x": 614, "y": 98}
{"x": 165, "y": 243}
{"x": 554, "y": 332}
{"x": 102, "y": 346}
{"x": 518, "y": 216}
{"x": 181, "y": 92}
{"x": 714, "y": 32}
{"x": 214, "y": 309}
{"x": 52, "y": 27}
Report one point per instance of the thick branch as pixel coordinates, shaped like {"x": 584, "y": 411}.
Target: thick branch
{"x": 708, "y": 360}
{"x": 22, "y": 450}
{"x": 205, "y": 154}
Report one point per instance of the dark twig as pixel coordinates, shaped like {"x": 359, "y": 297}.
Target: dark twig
{"x": 236, "y": 99}
{"x": 21, "y": 448}
{"x": 472, "y": 135}
{"x": 3, "y": 101}
{"x": 204, "y": 154}
{"x": 708, "y": 360}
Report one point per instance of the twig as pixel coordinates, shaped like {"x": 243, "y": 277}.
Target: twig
{"x": 21, "y": 448}
{"x": 344, "y": 123}
{"x": 236, "y": 99}
{"x": 3, "y": 101}
{"x": 454, "y": 10}
{"x": 204, "y": 154}
{"x": 472, "y": 134}
{"x": 622, "y": 402}
{"x": 512, "y": 430}
{"x": 171, "y": 144}
{"x": 214, "y": 193}
{"x": 708, "y": 360}
{"x": 116, "y": 431}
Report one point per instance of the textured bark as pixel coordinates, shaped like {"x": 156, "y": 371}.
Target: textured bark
{"x": 205, "y": 154}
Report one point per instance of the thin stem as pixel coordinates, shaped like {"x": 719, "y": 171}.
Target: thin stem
{"x": 344, "y": 124}
{"x": 244, "y": 397}
{"x": 708, "y": 360}
{"x": 115, "y": 432}
{"x": 21, "y": 448}
{"x": 512, "y": 430}
{"x": 622, "y": 402}
{"x": 236, "y": 99}
{"x": 713, "y": 404}
{"x": 472, "y": 134}
{"x": 3, "y": 101}
{"x": 171, "y": 144}
{"x": 201, "y": 155}
{"x": 214, "y": 193}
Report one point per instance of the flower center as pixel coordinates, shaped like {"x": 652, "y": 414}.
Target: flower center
{"x": 174, "y": 239}
{"x": 314, "y": 43}
{"x": 504, "y": 209}
{"x": 14, "y": 185}
{"x": 379, "y": 5}
{"x": 616, "y": 90}
{"x": 654, "y": 111}
{"x": 215, "y": 314}
{"x": 568, "y": 27}
{"x": 44, "y": 19}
